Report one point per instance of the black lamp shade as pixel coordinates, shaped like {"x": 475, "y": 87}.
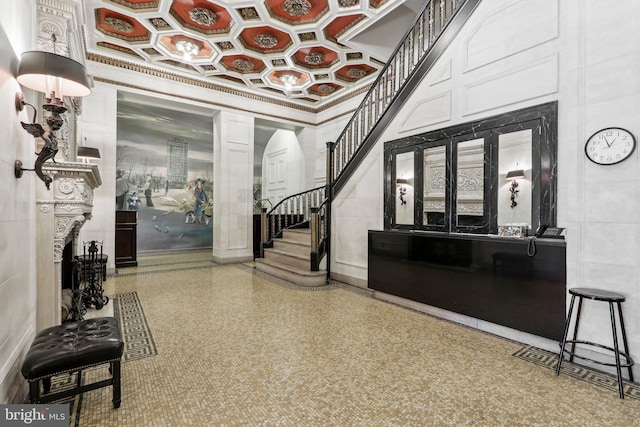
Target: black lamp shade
{"x": 45, "y": 71}
{"x": 89, "y": 152}
{"x": 515, "y": 174}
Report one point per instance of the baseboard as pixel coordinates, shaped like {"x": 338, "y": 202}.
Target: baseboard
{"x": 13, "y": 386}
{"x": 353, "y": 281}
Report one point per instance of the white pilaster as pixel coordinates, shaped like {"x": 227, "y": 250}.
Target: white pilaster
{"x": 232, "y": 188}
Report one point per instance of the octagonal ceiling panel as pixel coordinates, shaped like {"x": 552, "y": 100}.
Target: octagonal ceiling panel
{"x": 324, "y": 89}
{"x": 121, "y": 26}
{"x": 244, "y": 64}
{"x": 340, "y": 25}
{"x": 289, "y": 80}
{"x": 296, "y": 12}
{"x": 315, "y": 57}
{"x": 293, "y": 49}
{"x": 352, "y": 73}
{"x": 201, "y": 16}
{"x": 185, "y": 47}
{"x": 265, "y": 39}
{"x": 136, "y": 5}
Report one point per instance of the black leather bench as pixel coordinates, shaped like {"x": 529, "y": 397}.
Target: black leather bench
{"x": 72, "y": 347}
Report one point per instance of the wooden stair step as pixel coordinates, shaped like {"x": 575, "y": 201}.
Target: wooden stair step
{"x": 293, "y": 258}
{"x": 292, "y": 274}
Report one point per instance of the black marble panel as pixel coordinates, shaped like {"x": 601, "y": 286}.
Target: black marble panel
{"x": 487, "y": 277}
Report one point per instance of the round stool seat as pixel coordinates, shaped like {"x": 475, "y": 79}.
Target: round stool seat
{"x": 597, "y": 294}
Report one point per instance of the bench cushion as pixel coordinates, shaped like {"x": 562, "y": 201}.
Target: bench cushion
{"x": 73, "y": 345}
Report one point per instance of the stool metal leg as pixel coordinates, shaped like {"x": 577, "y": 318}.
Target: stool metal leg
{"x": 564, "y": 336}
{"x": 616, "y": 350}
{"x": 624, "y": 339}
{"x": 575, "y": 329}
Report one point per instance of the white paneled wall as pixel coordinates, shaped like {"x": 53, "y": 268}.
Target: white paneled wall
{"x": 515, "y": 54}
{"x": 98, "y": 126}
{"x": 17, "y": 210}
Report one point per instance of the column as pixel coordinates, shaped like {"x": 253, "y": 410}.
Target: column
{"x": 232, "y": 188}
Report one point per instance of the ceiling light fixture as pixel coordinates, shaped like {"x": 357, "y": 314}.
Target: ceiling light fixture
{"x": 288, "y": 80}
{"x": 187, "y": 48}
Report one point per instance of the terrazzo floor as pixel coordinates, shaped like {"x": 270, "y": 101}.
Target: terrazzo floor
{"x": 238, "y": 348}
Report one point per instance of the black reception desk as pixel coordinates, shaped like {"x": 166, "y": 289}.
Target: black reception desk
{"x": 486, "y": 277}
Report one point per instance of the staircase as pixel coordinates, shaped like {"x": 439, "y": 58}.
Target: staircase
{"x": 290, "y": 259}
{"x": 293, "y": 238}
{"x": 293, "y": 254}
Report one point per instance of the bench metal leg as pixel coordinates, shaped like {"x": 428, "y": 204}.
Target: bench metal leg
{"x": 115, "y": 367}
{"x": 46, "y": 384}
{"x": 34, "y": 391}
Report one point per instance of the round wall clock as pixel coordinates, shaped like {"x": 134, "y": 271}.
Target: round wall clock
{"x": 610, "y": 146}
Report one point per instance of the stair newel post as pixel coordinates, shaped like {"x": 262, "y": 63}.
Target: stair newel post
{"x": 315, "y": 230}
{"x": 329, "y": 195}
{"x": 264, "y": 231}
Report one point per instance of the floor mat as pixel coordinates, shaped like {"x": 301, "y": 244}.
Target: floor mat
{"x": 601, "y": 379}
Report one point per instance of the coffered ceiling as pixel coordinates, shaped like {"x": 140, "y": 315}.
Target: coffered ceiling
{"x": 308, "y": 52}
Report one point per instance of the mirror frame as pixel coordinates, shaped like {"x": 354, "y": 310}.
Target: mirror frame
{"x": 541, "y": 119}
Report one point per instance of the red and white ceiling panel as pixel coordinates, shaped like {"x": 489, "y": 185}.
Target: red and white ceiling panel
{"x": 293, "y": 49}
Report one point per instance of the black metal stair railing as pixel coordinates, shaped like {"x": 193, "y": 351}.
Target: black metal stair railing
{"x": 406, "y": 62}
{"x": 431, "y": 31}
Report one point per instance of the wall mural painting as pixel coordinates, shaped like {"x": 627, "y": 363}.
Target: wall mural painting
{"x": 165, "y": 160}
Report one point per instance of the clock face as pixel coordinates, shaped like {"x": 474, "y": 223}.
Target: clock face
{"x": 610, "y": 146}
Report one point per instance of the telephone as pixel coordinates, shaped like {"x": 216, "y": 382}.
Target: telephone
{"x": 546, "y": 232}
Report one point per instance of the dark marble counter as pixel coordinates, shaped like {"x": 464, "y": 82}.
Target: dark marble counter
{"x": 483, "y": 276}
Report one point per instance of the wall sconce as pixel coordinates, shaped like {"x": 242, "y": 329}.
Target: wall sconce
{"x": 56, "y": 76}
{"x": 514, "y": 175}
{"x": 402, "y": 191}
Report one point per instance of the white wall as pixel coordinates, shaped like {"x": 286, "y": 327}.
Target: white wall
{"x": 283, "y": 167}
{"x": 17, "y": 210}
{"x": 516, "y": 54}
{"x": 98, "y": 124}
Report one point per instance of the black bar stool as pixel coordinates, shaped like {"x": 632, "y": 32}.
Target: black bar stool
{"x": 611, "y": 298}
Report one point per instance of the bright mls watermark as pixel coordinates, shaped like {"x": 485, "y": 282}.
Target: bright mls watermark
{"x": 50, "y": 415}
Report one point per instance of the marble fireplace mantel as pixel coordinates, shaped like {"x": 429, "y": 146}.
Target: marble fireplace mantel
{"x": 60, "y": 214}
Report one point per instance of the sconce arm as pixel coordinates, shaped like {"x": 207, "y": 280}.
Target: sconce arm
{"x": 20, "y": 103}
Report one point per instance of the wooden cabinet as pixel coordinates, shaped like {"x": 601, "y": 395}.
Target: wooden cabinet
{"x": 126, "y": 239}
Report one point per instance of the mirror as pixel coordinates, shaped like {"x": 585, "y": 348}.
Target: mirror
{"x": 470, "y": 183}
{"x": 463, "y": 179}
{"x": 435, "y": 185}
{"x": 404, "y": 188}
{"x": 514, "y": 178}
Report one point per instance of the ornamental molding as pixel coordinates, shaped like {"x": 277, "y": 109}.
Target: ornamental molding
{"x": 297, "y": 7}
{"x": 203, "y": 16}
{"x": 314, "y": 58}
{"x": 265, "y": 41}
{"x": 243, "y": 64}
{"x": 118, "y": 24}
